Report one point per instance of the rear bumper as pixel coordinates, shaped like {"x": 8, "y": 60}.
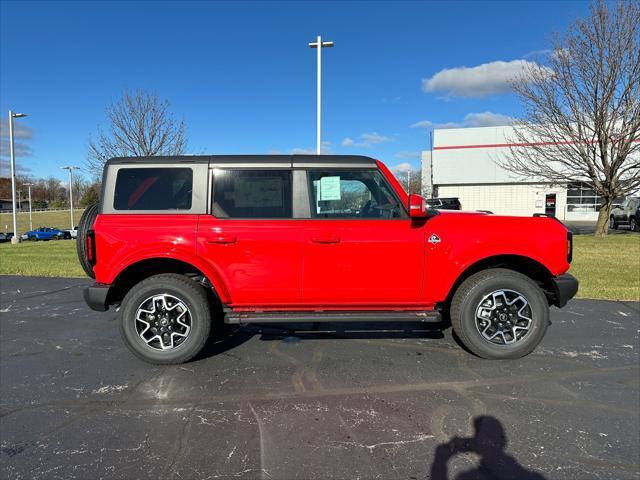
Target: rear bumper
{"x": 565, "y": 286}
{"x": 96, "y": 296}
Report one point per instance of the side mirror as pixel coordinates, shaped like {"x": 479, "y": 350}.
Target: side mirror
{"x": 417, "y": 206}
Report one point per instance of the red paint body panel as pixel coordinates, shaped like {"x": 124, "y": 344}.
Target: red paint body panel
{"x": 261, "y": 266}
{"x": 123, "y": 240}
{"x": 370, "y": 262}
{"x": 467, "y": 238}
{"x": 308, "y": 264}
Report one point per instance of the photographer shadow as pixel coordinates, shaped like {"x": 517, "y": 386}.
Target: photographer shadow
{"x": 489, "y": 442}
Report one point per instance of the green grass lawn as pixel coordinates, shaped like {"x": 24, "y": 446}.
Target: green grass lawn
{"x": 608, "y": 268}
{"x": 43, "y": 259}
{"x": 60, "y": 219}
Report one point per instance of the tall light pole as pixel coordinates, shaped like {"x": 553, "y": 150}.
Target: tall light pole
{"x": 71, "y": 169}
{"x": 29, "y": 185}
{"x": 319, "y": 44}
{"x": 15, "y": 239}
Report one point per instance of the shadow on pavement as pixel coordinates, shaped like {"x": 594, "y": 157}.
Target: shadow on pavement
{"x": 228, "y": 337}
{"x": 489, "y": 442}
{"x": 347, "y": 331}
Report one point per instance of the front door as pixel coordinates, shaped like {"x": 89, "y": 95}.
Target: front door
{"x": 550, "y": 204}
{"x": 251, "y": 238}
{"x": 360, "y": 249}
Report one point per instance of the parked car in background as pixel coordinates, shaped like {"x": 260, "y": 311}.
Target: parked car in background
{"x": 4, "y": 237}
{"x": 73, "y": 233}
{"x": 44, "y": 233}
{"x": 623, "y": 214}
{"x": 442, "y": 203}
{"x": 634, "y": 222}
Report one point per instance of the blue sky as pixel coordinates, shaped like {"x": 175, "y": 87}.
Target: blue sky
{"x": 243, "y": 78}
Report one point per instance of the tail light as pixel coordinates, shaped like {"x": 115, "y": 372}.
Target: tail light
{"x": 569, "y": 247}
{"x": 91, "y": 247}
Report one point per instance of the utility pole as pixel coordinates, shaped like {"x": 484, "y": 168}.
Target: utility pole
{"x": 319, "y": 44}
{"x": 71, "y": 169}
{"x": 29, "y": 185}
{"x": 15, "y": 239}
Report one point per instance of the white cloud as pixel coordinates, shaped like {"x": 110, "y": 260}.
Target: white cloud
{"x": 430, "y": 124}
{"x": 403, "y": 168}
{"x": 422, "y": 124}
{"x": 366, "y": 140}
{"x": 22, "y": 135}
{"x": 480, "y": 119}
{"x": 487, "y": 119}
{"x": 479, "y": 81}
{"x": 405, "y": 154}
{"x": 325, "y": 149}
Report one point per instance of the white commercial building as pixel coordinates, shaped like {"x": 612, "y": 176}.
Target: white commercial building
{"x": 465, "y": 163}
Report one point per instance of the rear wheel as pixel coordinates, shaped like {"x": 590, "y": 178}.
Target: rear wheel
{"x": 500, "y": 313}
{"x": 86, "y": 223}
{"x": 633, "y": 225}
{"x": 165, "y": 319}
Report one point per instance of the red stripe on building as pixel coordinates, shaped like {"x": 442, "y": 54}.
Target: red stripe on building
{"x": 501, "y": 145}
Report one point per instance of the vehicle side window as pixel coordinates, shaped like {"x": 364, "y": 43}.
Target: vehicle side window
{"x": 352, "y": 194}
{"x": 153, "y": 189}
{"x": 252, "y": 193}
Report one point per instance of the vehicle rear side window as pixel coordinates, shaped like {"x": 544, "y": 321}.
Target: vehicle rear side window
{"x": 352, "y": 194}
{"x": 252, "y": 193}
{"x": 153, "y": 189}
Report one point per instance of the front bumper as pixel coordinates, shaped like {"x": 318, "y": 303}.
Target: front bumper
{"x": 565, "y": 286}
{"x": 96, "y": 296}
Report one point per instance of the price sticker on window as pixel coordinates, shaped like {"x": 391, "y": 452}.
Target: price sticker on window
{"x": 330, "y": 188}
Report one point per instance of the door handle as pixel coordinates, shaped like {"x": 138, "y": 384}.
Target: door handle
{"x": 325, "y": 239}
{"x": 222, "y": 238}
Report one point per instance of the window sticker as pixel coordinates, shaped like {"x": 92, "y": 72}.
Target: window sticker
{"x": 329, "y": 188}
{"x": 265, "y": 192}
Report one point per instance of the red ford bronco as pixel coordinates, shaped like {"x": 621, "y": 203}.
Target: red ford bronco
{"x": 178, "y": 242}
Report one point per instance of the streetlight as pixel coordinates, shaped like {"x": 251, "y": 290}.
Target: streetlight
{"x": 15, "y": 239}
{"x": 29, "y": 185}
{"x": 319, "y": 44}
{"x": 71, "y": 169}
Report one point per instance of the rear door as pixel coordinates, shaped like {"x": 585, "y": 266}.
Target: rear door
{"x": 360, "y": 249}
{"x": 250, "y": 237}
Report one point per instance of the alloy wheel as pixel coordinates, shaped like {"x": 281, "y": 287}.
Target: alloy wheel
{"x": 504, "y": 317}
{"x": 163, "y": 322}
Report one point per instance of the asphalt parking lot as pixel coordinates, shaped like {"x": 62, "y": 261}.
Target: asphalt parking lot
{"x": 330, "y": 401}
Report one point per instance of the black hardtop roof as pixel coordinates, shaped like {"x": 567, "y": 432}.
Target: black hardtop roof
{"x": 292, "y": 160}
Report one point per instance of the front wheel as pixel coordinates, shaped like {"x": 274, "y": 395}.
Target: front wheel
{"x": 613, "y": 225}
{"x": 165, "y": 319}
{"x": 500, "y": 313}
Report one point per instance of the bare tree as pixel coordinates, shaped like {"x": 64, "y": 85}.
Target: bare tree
{"x": 582, "y": 109}
{"x": 139, "y": 125}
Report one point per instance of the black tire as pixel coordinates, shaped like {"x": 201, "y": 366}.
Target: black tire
{"x": 191, "y": 294}
{"x": 86, "y": 223}
{"x": 475, "y": 289}
{"x": 633, "y": 225}
{"x": 56, "y": 237}
{"x": 613, "y": 225}
{"x": 33, "y": 238}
